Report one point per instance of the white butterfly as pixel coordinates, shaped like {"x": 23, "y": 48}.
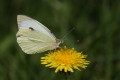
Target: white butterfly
{"x": 33, "y": 37}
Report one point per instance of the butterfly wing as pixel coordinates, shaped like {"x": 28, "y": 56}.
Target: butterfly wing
{"x": 32, "y": 47}
{"x": 33, "y": 37}
{"x": 27, "y": 22}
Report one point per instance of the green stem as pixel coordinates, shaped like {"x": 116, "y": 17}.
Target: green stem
{"x": 66, "y": 76}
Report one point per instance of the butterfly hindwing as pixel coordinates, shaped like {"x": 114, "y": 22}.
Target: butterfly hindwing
{"x": 35, "y": 35}
{"x": 33, "y": 46}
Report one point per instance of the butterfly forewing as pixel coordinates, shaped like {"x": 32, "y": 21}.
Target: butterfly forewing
{"x": 27, "y": 22}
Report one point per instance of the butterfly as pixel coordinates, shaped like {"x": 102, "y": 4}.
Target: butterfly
{"x": 33, "y": 37}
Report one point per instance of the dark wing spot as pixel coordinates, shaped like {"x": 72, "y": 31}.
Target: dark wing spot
{"x": 31, "y": 28}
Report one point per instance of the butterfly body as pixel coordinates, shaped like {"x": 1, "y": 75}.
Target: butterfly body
{"x": 33, "y": 37}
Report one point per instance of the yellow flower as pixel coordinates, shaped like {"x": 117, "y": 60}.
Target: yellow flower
{"x": 65, "y": 60}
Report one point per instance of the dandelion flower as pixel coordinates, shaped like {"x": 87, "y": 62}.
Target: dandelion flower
{"x": 65, "y": 60}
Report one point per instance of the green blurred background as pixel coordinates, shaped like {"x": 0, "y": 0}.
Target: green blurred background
{"x": 96, "y": 33}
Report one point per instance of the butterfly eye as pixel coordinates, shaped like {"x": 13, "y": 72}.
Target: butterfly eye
{"x": 31, "y": 28}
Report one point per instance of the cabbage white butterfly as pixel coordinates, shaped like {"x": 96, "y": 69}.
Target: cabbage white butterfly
{"x": 33, "y": 37}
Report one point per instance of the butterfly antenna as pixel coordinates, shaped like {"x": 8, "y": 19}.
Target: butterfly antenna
{"x": 68, "y": 33}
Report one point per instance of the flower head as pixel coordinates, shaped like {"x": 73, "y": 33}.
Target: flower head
{"x": 65, "y": 60}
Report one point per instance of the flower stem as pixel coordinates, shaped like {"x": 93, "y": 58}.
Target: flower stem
{"x": 66, "y": 75}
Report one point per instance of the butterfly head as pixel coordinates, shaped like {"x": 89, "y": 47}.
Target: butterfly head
{"x": 58, "y": 41}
